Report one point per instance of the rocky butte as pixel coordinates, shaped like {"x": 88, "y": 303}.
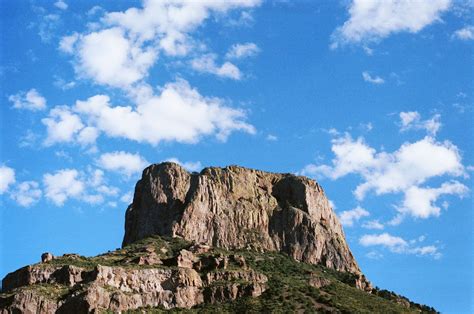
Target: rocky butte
{"x": 225, "y": 239}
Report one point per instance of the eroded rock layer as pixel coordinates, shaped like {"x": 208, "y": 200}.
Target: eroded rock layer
{"x": 236, "y": 207}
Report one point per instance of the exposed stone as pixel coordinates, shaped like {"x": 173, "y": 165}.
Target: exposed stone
{"x": 185, "y": 259}
{"x": 149, "y": 259}
{"x": 236, "y": 207}
{"x": 200, "y": 248}
{"x": 29, "y": 302}
{"x": 211, "y": 262}
{"x": 71, "y": 255}
{"x": 317, "y": 281}
{"x": 239, "y": 260}
{"x": 46, "y": 257}
{"x": 240, "y": 275}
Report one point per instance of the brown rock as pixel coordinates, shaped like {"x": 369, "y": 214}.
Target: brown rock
{"x": 317, "y": 281}
{"x": 46, "y": 257}
{"x": 236, "y": 207}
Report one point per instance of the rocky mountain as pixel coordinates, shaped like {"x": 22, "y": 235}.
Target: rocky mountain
{"x": 235, "y": 208}
{"x": 225, "y": 239}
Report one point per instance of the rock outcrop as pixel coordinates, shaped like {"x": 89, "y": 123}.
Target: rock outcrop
{"x": 48, "y": 287}
{"x": 235, "y": 208}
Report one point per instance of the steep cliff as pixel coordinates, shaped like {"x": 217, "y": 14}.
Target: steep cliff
{"x": 236, "y": 207}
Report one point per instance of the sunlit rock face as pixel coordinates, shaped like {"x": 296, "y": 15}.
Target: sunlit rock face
{"x": 235, "y": 208}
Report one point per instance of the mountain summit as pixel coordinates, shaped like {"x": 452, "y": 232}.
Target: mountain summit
{"x": 223, "y": 240}
{"x": 239, "y": 208}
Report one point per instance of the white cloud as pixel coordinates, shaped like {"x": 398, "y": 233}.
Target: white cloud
{"x": 47, "y": 26}
{"x": 207, "y": 64}
{"x": 374, "y": 80}
{"x": 63, "y": 184}
{"x": 62, "y": 84}
{"x": 179, "y": 114}
{"x": 402, "y": 171}
{"x": 411, "y": 120}
{"x": 62, "y": 125}
{"x": 348, "y": 217}
{"x": 420, "y": 201}
{"x": 377, "y": 19}
{"x": 272, "y": 138}
{"x": 7, "y": 178}
{"x": 192, "y": 166}
{"x": 109, "y": 58}
{"x": 127, "y": 198}
{"x": 32, "y": 100}
{"x": 87, "y": 136}
{"x": 126, "y": 44}
{"x": 61, "y": 5}
{"x": 374, "y": 255}
{"x": 122, "y": 162}
{"x": 466, "y": 33}
{"x": 398, "y": 245}
{"x": 26, "y": 193}
{"x": 95, "y": 9}
{"x": 373, "y": 224}
{"x": 238, "y": 51}
{"x": 67, "y": 43}
{"x": 90, "y": 186}
{"x": 395, "y": 244}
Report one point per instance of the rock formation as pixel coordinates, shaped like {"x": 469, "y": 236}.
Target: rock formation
{"x": 223, "y": 240}
{"x": 236, "y": 207}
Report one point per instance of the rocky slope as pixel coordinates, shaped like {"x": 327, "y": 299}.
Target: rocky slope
{"x": 169, "y": 274}
{"x": 236, "y": 207}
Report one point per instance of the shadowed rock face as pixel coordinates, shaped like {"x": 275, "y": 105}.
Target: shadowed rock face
{"x": 236, "y": 207}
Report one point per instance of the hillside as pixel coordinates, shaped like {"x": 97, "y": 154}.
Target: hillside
{"x": 226, "y": 281}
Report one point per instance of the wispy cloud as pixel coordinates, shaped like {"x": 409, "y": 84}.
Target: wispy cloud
{"x": 372, "y": 79}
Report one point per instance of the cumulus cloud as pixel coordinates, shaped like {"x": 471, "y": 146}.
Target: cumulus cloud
{"x": 109, "y": 57}
{"x": 32, "y": 100}
{"x": 62, "y": 125}
{"x": 402, "y": 171}
{"x": 465, "y": 33}
{"x": 398, "y": 245}
{"x": 207, "y": 64}
{"x": 372, "y": 79}
{"x": 63, "y": 184}
{"x": 377, "y": 19}
{"x": 61, "y": 5}
{"x": 411, "y": 120}
{"x": 348, "y": 217}
{"x": 26, "y": 193}
{"x": 88, "y": 186}
{"x": 180, "y": 113}
{"x": 7, "y": 178}
{"x": 192, "y": 166}
{"x": 421, "y": 201}
{"x": 127, "y": 44}
{"x": 122, "y": 162}
{"x": 238, "y": 51}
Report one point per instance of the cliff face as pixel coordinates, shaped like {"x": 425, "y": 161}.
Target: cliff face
{"x": 235, "y": 208}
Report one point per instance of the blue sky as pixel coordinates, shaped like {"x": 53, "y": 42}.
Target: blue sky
{"x": 371, "y": 98}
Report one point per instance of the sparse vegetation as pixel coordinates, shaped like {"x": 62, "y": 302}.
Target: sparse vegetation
{"x": 289, "y": 289}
